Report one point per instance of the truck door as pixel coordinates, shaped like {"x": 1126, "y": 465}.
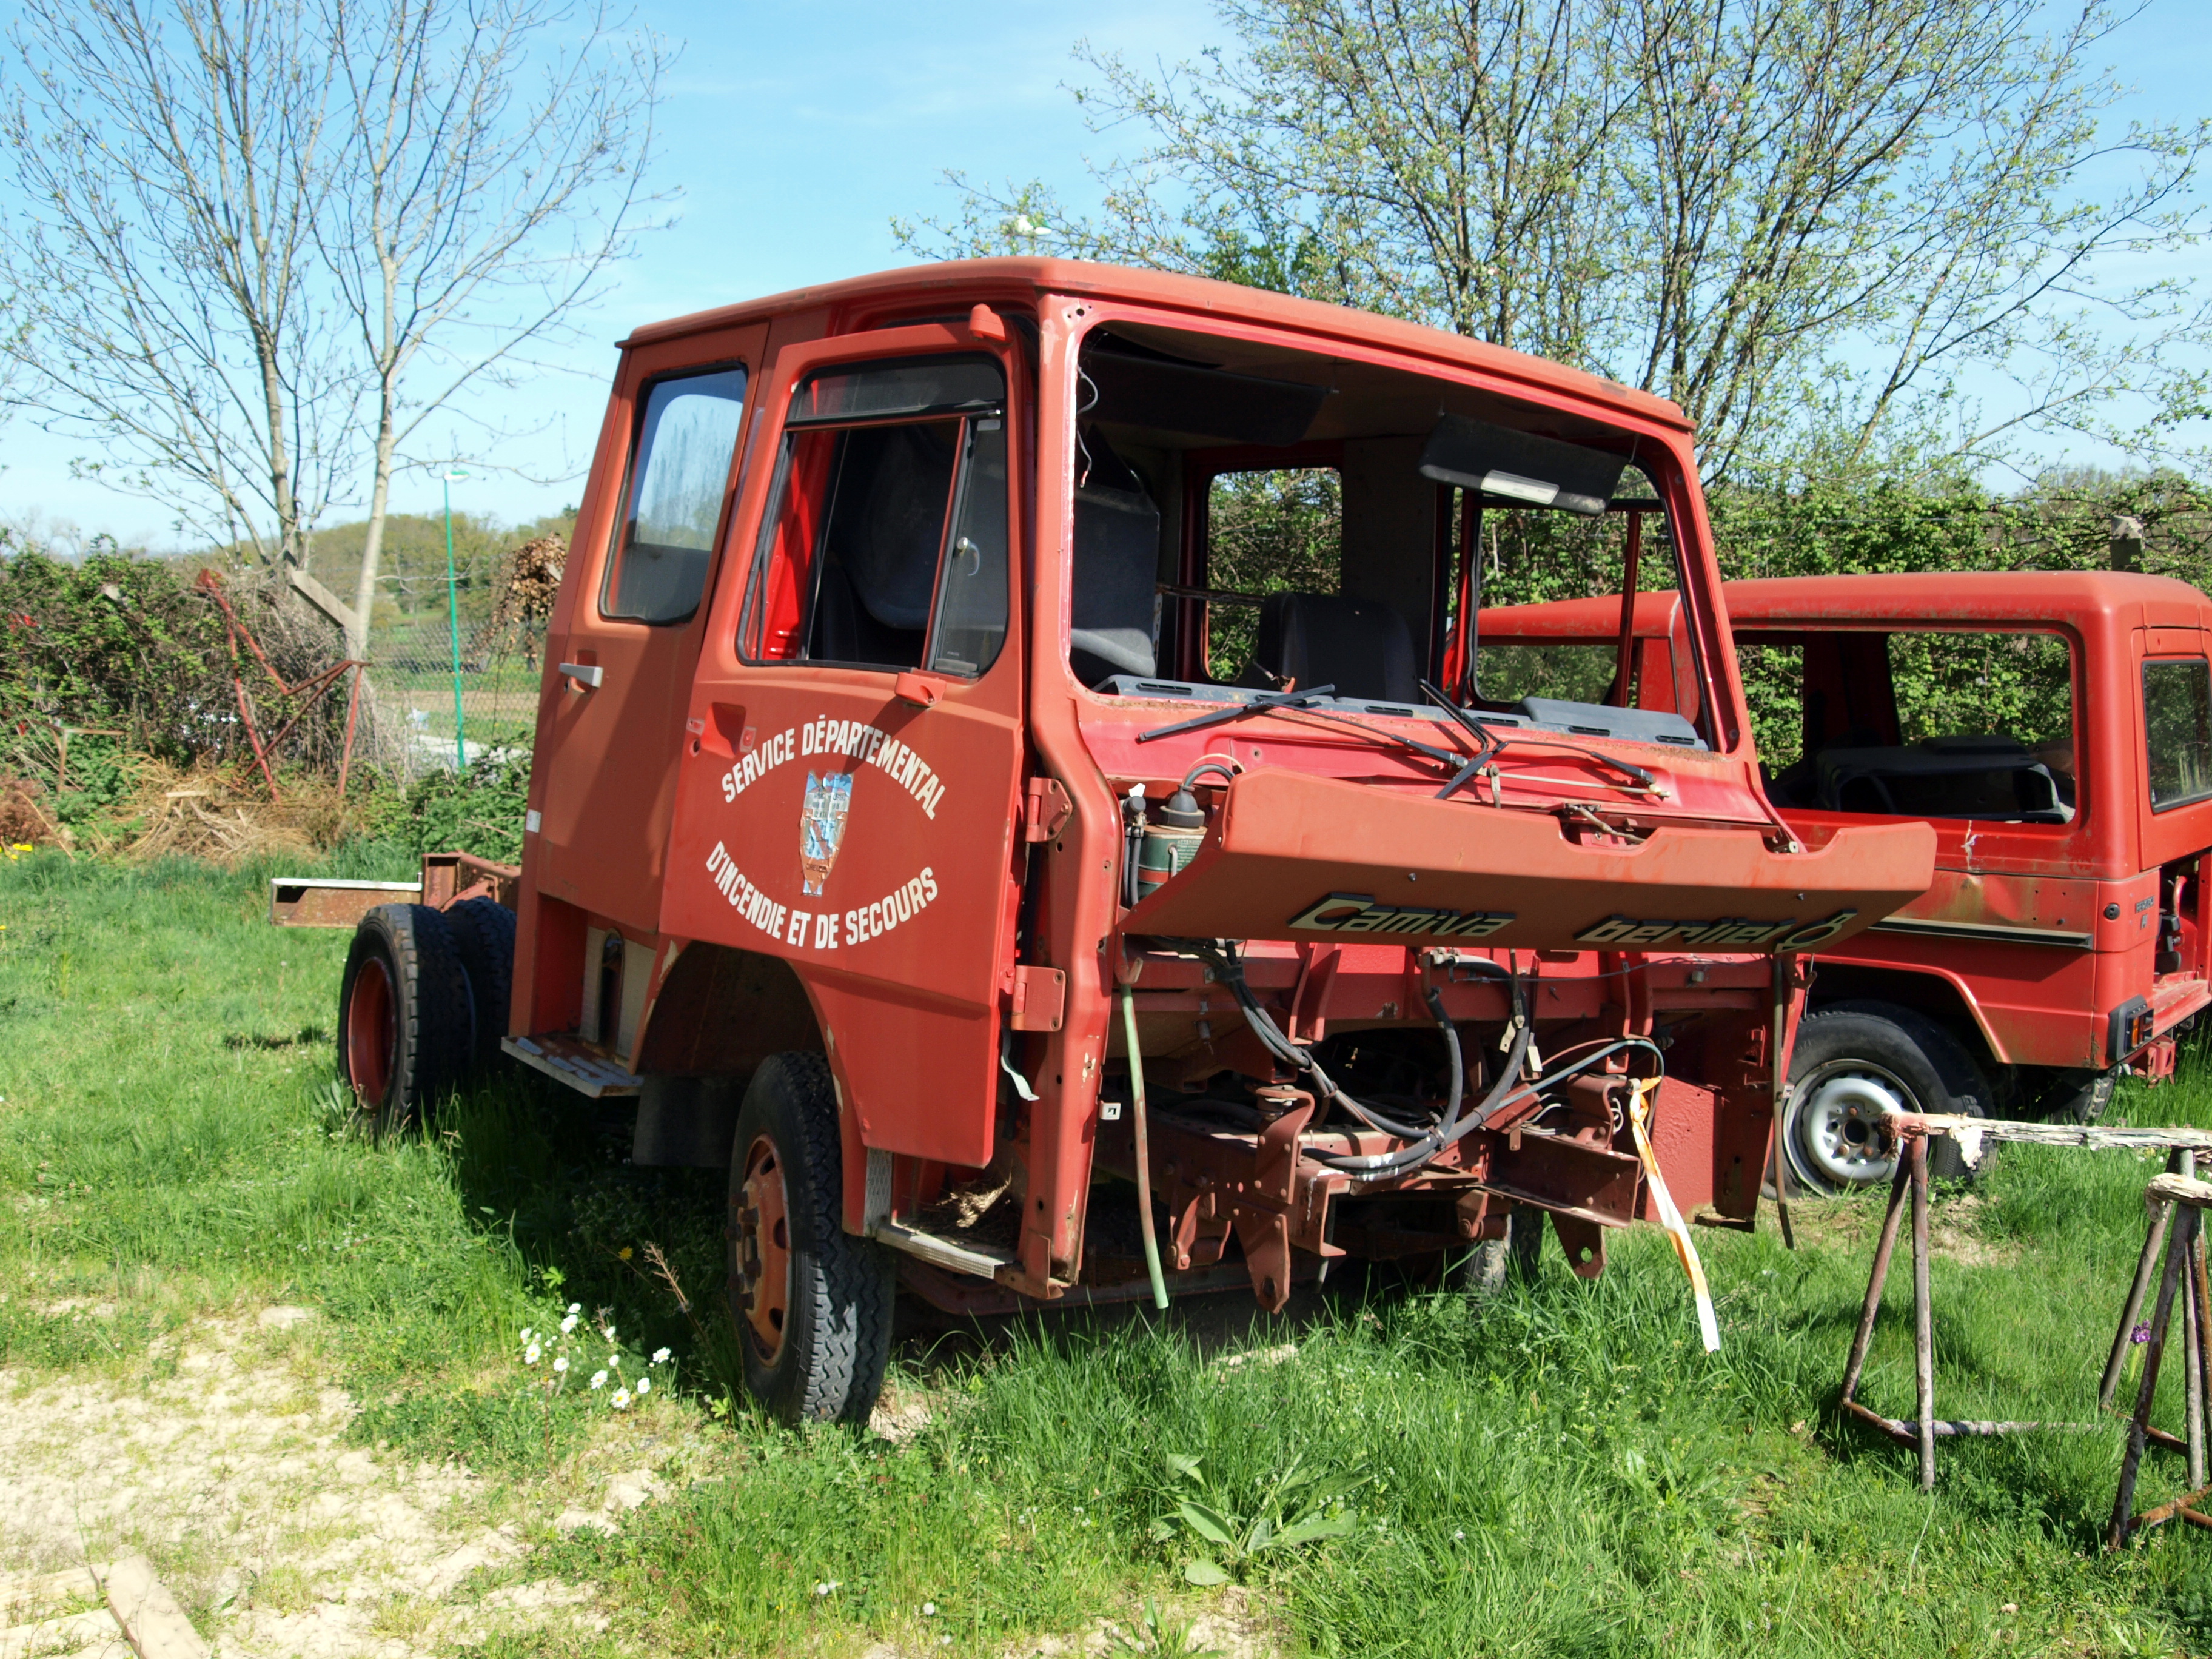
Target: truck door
{"x": 611, "y": 719}
{"x": 849, "y": 798}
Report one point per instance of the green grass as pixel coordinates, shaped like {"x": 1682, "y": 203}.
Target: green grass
{"x": 1562, "y": 1474}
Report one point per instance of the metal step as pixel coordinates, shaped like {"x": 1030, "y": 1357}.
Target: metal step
{"x": 575, "y": 1063}
{"x": 979, "y": 1260}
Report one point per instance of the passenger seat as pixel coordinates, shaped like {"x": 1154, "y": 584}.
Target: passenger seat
{"x": 1361, "y": 647}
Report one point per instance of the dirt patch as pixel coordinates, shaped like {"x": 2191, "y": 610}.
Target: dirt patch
{"x": 1955, "y": 1228}
{"x": 279, "y": 1538}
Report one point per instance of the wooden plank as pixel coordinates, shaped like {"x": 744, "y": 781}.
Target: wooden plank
{"x": 70, "y": 1634}
{"x": 28, "y": 1595}
{"x": 149, "y": 1615}
{"x": 2092, "y": 1135}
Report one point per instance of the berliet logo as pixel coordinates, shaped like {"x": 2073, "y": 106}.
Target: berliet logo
{"x": 1729, "y": 931}
{"x": 1357, "y": 912}
{"x": 822, "y": 815}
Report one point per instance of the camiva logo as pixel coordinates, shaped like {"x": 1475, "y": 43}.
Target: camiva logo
{"x": 1358, "y": 913}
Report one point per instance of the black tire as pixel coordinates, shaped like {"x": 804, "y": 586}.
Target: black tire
{"x": 1851, "y": 1061}
{"x": 820, "y": 1356}
{"x": 405, "y": 1027}
{"x": 484, "y": 935}
{"x": 1490, "y": 1264}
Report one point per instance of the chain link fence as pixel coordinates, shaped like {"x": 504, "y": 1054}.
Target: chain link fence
{"x": 443, "y": 692}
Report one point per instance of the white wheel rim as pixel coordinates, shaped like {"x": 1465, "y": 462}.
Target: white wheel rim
{"x": 1836, "y": 1138}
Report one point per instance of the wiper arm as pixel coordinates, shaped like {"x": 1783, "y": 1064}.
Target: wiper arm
{"x": 1487, "y": 742}
{"x": 1543, "y": 739}
{"x": 1259, "y": 705}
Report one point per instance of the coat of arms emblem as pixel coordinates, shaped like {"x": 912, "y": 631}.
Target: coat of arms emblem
{"x": 821, "y": 825}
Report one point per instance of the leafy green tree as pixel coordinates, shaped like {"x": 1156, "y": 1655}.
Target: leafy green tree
{"x": 1817, "y": 225}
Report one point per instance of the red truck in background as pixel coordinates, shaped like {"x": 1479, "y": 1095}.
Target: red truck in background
{"x": 901, "y": 836}
{"x": 2056, "y": 729}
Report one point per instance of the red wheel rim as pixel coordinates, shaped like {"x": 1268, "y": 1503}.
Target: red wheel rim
{"x": 764, "y": 1247}
{"x": 371, "y": 1033}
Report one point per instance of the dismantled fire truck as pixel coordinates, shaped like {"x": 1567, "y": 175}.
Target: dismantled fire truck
{"x": 2056, "y": 729}
{"x": 902, "y": 835}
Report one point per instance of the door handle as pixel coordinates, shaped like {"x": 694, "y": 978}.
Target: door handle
{"x": 585, "y": 674}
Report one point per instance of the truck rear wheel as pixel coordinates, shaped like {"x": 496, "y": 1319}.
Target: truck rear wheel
{"x": 812, "y": 1304}
{"x": 1854, "y": 1064}
{"x": 483, "y": 937}
{"x": 405, "y": 1026}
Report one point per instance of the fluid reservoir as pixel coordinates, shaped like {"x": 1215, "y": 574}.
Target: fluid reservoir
{"x": 1173, "y": 830}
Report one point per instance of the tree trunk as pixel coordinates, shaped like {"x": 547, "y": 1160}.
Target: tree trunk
{"x": 289, "y": 549}
{"x": 372, "y": 546}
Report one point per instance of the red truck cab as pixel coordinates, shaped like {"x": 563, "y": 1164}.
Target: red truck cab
{"x": 933, "y": 821}
{"x": 2055, "y": 728}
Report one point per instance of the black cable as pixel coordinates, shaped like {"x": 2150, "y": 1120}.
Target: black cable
{"x": 1222, "y": 959}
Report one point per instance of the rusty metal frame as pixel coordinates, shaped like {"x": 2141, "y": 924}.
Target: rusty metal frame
{"x": 313, "y": 689}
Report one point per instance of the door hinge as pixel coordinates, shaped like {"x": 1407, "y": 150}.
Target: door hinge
{"x": 1040, "y": 999}
{"x": 1045, "y": 809}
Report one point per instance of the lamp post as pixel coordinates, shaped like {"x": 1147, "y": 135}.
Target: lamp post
{"x": 453, "y": 620}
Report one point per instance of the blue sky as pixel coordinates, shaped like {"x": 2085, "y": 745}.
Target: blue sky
{"x": 794, "y": 134}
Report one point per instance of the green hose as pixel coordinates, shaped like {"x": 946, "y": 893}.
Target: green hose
{"x": 1144, "y": 1149}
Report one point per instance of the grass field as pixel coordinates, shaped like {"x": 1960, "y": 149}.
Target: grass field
{"x": 1563, "y": 1473}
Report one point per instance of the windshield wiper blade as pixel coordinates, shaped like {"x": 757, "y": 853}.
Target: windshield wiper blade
{"x": 1259, "y": 705}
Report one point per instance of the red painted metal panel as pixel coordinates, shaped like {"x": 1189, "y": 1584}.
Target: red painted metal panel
{"x": 900, "y": 943}
{"x": 604, "y": 783}
{"x": 1288, "y": 840}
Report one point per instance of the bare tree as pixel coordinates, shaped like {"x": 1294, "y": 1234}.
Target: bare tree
{"x": 1819, "y": 225}
{"x": 166, "y": 159}
{"x": 489, "y": 169}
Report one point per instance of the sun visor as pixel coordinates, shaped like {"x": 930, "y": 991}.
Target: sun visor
{"x": 1199, "y": 402}
{"x": 1521, "y": 467}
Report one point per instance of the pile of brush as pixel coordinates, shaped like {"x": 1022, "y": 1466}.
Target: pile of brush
{"x": 220, "y": 812}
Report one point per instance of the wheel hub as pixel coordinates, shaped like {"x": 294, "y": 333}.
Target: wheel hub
{"x": 372, "y": 1034}
{"x": 763, "y": 1246}
{"x": 1837, "y": 1137}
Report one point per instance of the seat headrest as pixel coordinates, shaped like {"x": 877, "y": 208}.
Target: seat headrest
{"x": 1361, "y": 647}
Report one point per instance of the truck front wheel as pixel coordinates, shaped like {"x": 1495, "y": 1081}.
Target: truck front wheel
{"x": 1854, "y": 1064}
{"x": 405, "y": 1026}
{"x": 1490, "y": 1264}
{"x": 812, "y": 1304}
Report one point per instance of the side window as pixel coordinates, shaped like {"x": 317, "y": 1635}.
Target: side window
{"x": 886, "y": 544}
{"x": 686, "y": 439}
{"x": 1915, "y": 723}
{"x": 2177, "y": 731}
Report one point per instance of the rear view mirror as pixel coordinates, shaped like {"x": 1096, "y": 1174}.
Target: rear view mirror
{"x": 1518, "y": 466}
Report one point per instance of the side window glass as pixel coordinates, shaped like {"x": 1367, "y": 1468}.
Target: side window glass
{"x": 2177, "y": 731}
{"x": 686, "y": 441}
{"x": 971, "y": 603}
{"x": 886, "y": 546}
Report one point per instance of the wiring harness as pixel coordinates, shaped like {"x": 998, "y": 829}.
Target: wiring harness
{"x": 1424, "y": 1140}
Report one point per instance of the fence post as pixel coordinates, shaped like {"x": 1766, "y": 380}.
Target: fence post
{"x": 453, "y": 623}
{"x": 2126, "y": 536}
